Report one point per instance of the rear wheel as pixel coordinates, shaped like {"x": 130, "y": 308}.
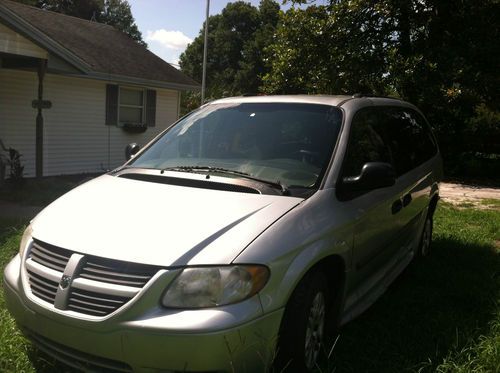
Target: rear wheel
{"x": 303, "y": 327}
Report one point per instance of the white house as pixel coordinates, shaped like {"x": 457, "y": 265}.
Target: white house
{"x": 74, "y": 93}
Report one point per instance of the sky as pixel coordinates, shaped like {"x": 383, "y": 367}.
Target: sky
{"x": 168, "y": 26}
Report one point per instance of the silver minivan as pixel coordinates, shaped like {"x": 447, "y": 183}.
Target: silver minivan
{"x": 234, "y": 241}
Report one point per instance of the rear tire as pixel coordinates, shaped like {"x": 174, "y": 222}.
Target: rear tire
{"x": 303, "y": 326}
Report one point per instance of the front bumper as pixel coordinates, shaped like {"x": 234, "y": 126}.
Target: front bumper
{"x": 225, "y": 339}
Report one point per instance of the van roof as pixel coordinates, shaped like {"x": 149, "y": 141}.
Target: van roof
{"x": 334, "y": 100}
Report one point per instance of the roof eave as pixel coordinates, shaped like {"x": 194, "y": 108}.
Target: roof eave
{"x": 144, "y": 82}
{"x": 26, "y": 29}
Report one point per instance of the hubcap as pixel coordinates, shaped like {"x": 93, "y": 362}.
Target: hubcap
{"x": 426, "y": 238}
{"x": 315, "y": 330}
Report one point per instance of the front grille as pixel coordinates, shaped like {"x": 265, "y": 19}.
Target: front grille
{"x": 42, "y": 287}
{"x": 50, "y": 256}
{"x": 117, "y": 272}
{"x": 92, "y": 303}
{"x": 98, "y": 286}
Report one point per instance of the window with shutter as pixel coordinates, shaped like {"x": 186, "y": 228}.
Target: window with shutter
{"x": 132, "y": 106}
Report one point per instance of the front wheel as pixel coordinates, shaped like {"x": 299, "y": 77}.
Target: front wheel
{"x": 424, "y": 248}
{"x": 303, "y": 326}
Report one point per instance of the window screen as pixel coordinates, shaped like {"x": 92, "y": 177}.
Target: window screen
{"x": 131, "y": 106}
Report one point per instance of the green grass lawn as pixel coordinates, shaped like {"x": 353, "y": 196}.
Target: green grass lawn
{"x": 441, "y": 315}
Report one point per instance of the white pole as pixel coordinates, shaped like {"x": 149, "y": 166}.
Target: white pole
{"x": 203, "y": 79}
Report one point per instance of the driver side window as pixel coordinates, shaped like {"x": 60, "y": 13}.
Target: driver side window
{"x": 367, "y": 143}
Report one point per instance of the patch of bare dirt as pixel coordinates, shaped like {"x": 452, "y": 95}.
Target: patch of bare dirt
{"x": 471, "y": 195}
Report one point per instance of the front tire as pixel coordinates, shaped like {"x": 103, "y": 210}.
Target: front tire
{"x": 303, "y": 326}
{"x": 424, "y": 248}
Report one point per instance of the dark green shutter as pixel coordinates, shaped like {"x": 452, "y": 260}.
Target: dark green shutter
{"x": 111, "y": 104}
{"x": 150, "y": 107}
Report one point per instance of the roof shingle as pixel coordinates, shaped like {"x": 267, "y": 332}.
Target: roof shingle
{"x": 104, "y": 48}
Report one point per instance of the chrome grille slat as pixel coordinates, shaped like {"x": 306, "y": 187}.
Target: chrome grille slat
{"x": 114, "y": 301}
{"x": 47, "y": 263}
{"x": 53, "y": 254}
{"x": 56, "y": 260}
{"x": 118, "y": 272}
{"x": 113, "y": 280}
{"x": 43, "y": 291}
{"x": 42, "y": 296}
{"x": 40, "y": 284}
{"x": 87, "y": 310}
{"x": 101, "y": 286}
{"x": 87, "y": 299}
{"x": 45, "y": 281}
{"x": 42, "y": 288}
{"x": 93, "y": 305}
{"x": 89, "y": 268}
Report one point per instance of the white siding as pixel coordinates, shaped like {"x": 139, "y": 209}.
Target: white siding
{"x": 17, "y": 117}
{"x": 76, "y": 139}
{"x": 12, "y": 42}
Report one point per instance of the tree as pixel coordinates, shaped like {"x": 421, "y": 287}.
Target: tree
{"x": 442, "y": 56}
{"x": 325, "y": 49}
{"x": 116, "y": 13}
{"x": 236, "y": 40}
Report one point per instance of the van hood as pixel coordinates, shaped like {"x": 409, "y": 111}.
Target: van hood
{"x": 158, "y": 224}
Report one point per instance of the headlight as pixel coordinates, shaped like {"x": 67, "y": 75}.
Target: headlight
{"x": 25, "y": 241}
{"x": 202, "y": 287}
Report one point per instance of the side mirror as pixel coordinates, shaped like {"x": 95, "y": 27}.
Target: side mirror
{"x": 373, "y": 175}
{"x": 131, "y": 150}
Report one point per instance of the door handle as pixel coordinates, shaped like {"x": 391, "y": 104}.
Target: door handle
{"x": 407, "y": 199}
{"x": 397, "y": 205}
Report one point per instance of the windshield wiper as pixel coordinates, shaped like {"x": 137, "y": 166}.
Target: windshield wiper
{"x": 275, "y": 184}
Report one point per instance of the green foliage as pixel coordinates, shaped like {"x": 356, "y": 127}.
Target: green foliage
{"x": 442, "y": 56}
{"x": 236, "y": 39}
{"x": 116, "y": 13}
{"x": 327, "y": 50}
{"x": 85, "y": 9}
{"x": 12, "y": 158}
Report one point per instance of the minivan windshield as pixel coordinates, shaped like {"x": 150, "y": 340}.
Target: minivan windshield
{"x": 286, "y": 143}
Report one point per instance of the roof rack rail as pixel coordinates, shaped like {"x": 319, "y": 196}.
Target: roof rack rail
{"x": 361, "y": 95}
